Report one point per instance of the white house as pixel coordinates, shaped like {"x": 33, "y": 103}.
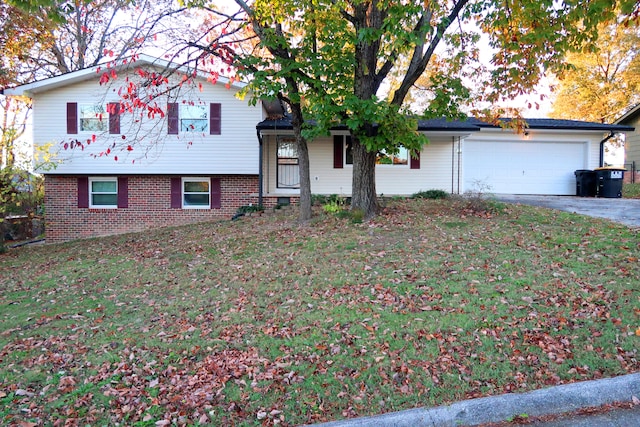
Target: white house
{"x": 179, "y": 151}
{"x": 462, "y": 156}
{"x": 137, "y": 150}
{"x": 632, "y": 142}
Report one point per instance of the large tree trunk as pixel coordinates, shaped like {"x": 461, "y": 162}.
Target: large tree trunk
{"x": 305, "y": 179}
{"x": 367, "y": 15}
{"x": 303, "y": 161}
{"x": 363, "y": 195}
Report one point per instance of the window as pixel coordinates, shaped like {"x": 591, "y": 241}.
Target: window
{"x": 196, "y": 193}
{"x": 193, "y": 118}
{"x": 401, "y": 158}
{"x": 200, "y": 118}
{"x": 93, "y": 118}
{"x": 103, "y": 193}
{"x": 348, "y": 148}
{"x": 288, "y": 165}
{"x": 343, "y": 155}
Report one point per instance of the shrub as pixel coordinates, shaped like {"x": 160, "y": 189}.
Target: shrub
{"x": 431, "y": 194}
{"x": 249, "y": 208}
{"x": 323, "y": 199}
{"x": 333, "y": 207}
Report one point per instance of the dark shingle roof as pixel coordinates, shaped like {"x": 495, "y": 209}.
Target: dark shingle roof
{"x": 560, "y": 124}
{"x": 473, "y": 124}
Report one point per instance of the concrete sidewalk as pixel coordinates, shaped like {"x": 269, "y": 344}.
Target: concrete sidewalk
{"x": 496, "y": 409}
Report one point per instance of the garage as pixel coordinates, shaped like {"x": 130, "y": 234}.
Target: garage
{"x": 522, "y": 167}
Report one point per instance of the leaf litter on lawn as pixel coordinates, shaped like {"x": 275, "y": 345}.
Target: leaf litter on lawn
{"x": 264, "y": 321}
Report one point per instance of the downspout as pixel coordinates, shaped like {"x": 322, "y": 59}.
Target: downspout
{"x": 259, "y": 167}
{"x": 608, "y": 137}
{"x": 459, "y": 156}
{"x": 453, "y": 162}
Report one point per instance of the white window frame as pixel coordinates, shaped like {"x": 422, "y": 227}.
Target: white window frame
{"x": 91, "y": 192}
{"x": 396, "y": 165}
{"x": 182, "y": 115}
{"x": 185, "y": 205}
{"x": 346, "y": 140}
{"x": 293, "y": 163}
{"x": 345, "y": 156}
{"x": 102, "y": 119}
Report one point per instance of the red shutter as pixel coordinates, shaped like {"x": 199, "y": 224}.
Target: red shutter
{"x": 215, "y": 119}
{"x": 114, "y": 117}
{"x": 123, "y": 192}
{"x": 176, "y": 193}
{"x": 338, "y": 152}
{"x": 173, "y": 118}
{"x": 83, "y": 192}
{"x": 216, "y": 193}
{"x": 72, "y": 117}
{"x": 414, "y": 162}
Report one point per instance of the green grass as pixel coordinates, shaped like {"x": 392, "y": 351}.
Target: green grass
{"x": 631, "y": 191}
{"x": 261, "y": 320}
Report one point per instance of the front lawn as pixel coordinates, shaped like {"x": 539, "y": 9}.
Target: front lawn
{"x": 261, "y": 321}
{"x": 631, "y": 191}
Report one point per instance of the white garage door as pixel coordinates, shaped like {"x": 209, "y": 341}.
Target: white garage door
{"x": 522, "y": 167}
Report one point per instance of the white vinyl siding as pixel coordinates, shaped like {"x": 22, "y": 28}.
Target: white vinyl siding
{"x": 632, "y": 144}
{"x": 235, "y": 151}
{"x": 437, "y": 170}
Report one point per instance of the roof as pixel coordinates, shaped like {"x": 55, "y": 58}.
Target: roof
{"x": 472, "y": 124}
{"x": 562, "y": 124}
{"x": 92, "y": 72}
{"x": 630, "y": 115}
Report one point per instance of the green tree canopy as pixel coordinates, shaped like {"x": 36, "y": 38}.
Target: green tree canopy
{"x": 344, "y": 53}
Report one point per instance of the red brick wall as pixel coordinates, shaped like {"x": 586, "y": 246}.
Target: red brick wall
{"x": 149, "y": 207}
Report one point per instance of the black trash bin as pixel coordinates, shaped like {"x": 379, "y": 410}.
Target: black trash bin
{"x": 586, "y": 183}
{"x": 610, "y": 182}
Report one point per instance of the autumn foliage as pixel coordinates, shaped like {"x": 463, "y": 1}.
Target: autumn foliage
{"x": 264, "y": 322}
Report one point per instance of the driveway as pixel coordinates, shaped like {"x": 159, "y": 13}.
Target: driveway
{"x": 624, "y": 211}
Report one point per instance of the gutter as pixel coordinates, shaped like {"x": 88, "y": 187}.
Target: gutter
{"x": 260, "y": 189}
{"x": 608, "y": 137}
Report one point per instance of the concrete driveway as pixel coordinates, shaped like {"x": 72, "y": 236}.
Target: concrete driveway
{"x": 624, "y": 211}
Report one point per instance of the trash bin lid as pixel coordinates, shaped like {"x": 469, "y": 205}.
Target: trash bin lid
{"x": 610, "y": 168}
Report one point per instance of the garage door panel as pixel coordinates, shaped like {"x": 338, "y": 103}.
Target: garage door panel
{"x": 519, "y": 167}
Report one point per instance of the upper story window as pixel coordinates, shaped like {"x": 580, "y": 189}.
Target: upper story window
{"x": 193, "y": 118}
{"x": 93, "y": 118}
{"x": 201, "y": 118}
{"x": 103, "y": 193}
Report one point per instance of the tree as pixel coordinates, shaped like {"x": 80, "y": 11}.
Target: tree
{"x": 361, "y": 41}
{"x": 333, "y": 59}
{"x": 47, "y": 38}
{"x": 603, "y": 82}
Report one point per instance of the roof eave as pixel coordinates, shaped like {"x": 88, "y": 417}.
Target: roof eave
{"x": 66, "y": 79}
{"x": 629, "y": 115}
